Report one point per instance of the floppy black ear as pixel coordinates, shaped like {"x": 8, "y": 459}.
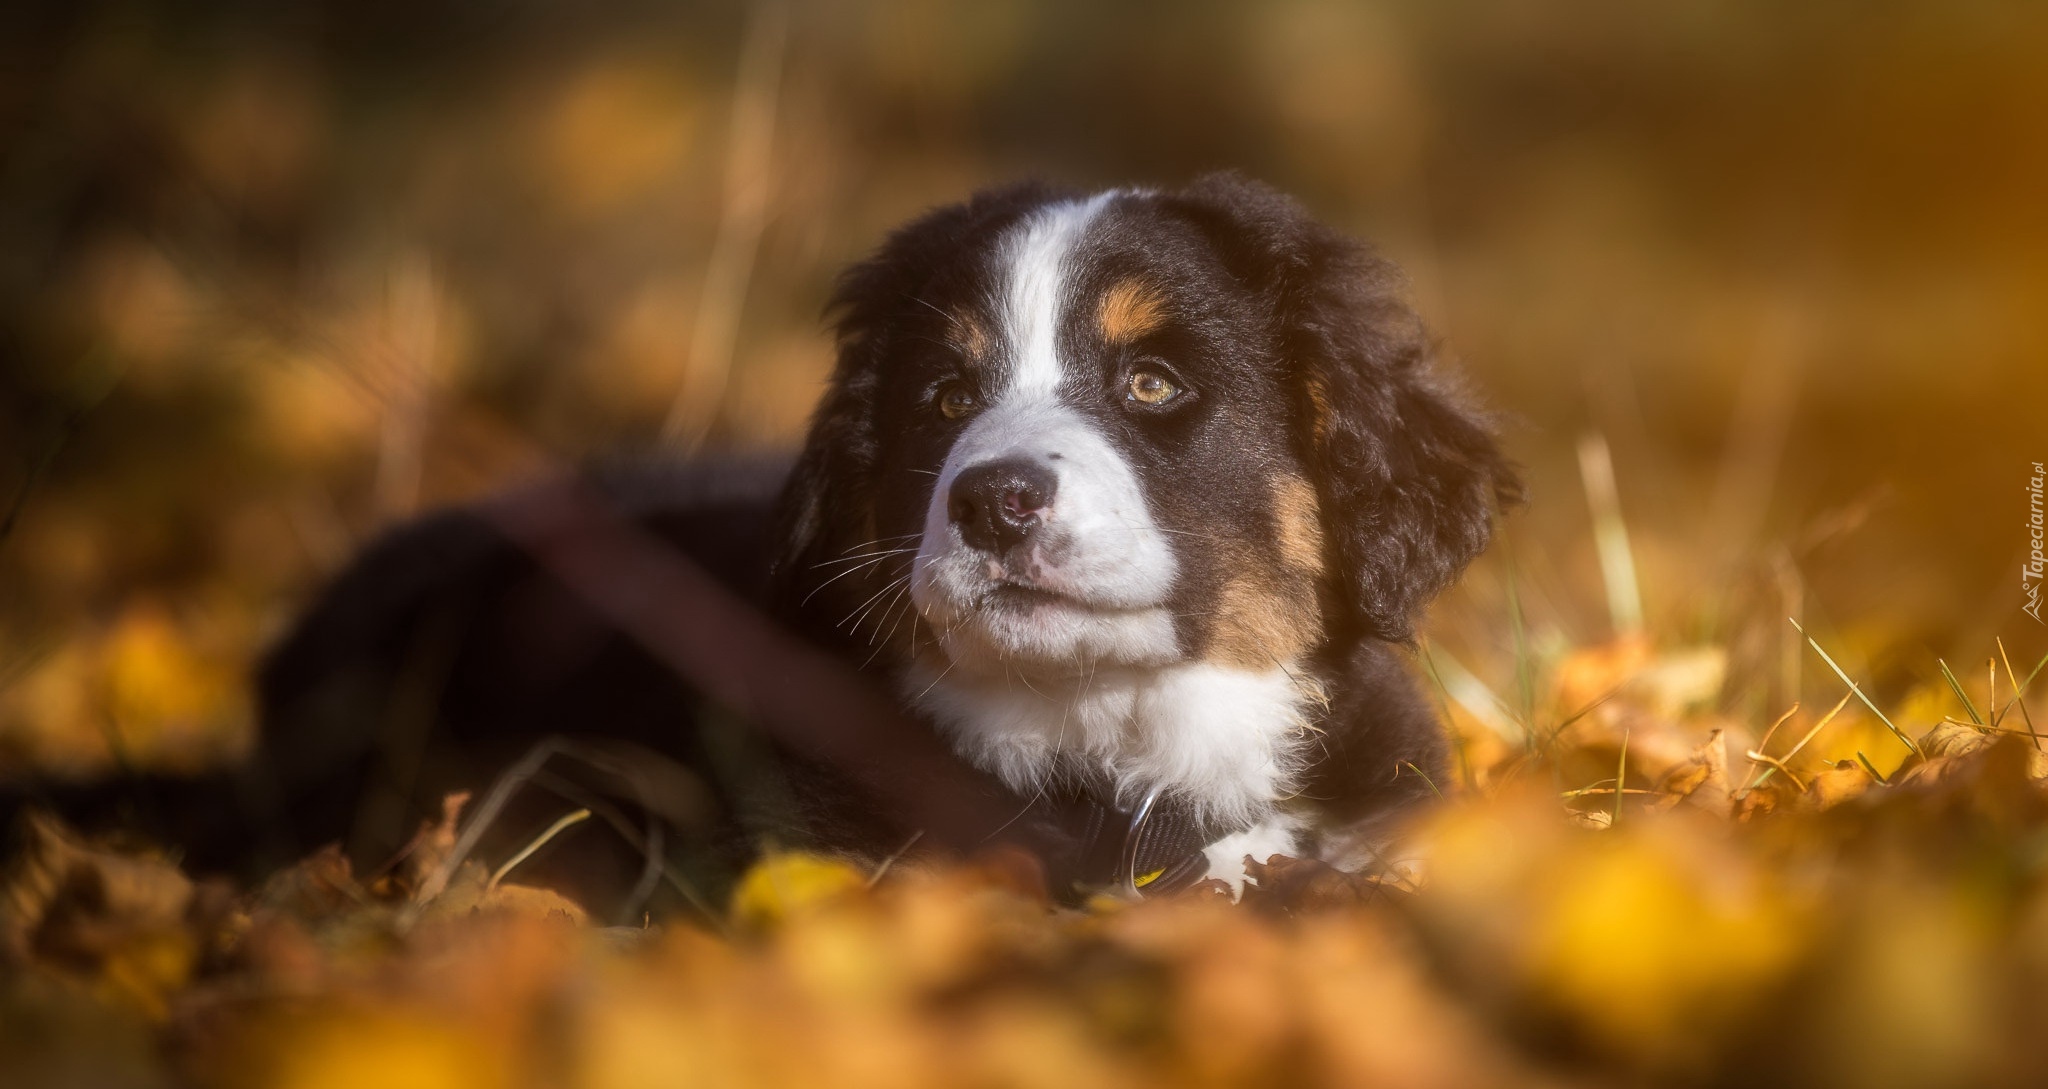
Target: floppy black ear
{"x": 830, "y": 486}
{"x": 828, "y": 502}
{"x": 1406, "y": 466}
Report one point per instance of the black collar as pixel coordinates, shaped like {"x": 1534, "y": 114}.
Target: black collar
{"x": 1153, "y": 848}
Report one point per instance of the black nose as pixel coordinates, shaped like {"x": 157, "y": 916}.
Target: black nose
{"x": 998, "y": 503}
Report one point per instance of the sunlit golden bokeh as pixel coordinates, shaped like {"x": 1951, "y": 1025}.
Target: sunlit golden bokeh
{"x": 274, "y": 277}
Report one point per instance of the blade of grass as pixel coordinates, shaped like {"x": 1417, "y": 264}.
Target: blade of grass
{"x": 1471, "y": 693}
{"x": 1758, "y": 776}
{"x": 882, "y": 870}
{"x": 1620, "y": 782}
{"x": 526, "y": 852}
{"x": 1957, "y": 687}
{"x": 1782, "y": 719}
{"x": 1525, "y": 676}
{"x": 1410, "y": 765}
{"x": 1991, "y": 686}
{"x": 1872, "y": 769}
{"x": 1610, "y": 535}
{"x": 1599, "y": 786}
{"x": 1777, "y": 765}
{"x": 1857, "y": 690}
{"x": 1443, "y": 699}
{"x": 1565, "y": 722}
{"x": 1794, "y": 750}
{"x": 2025, "y": 716}
{"x": 2021, "y": 689}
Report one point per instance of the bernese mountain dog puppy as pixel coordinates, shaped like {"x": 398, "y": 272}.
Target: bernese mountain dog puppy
{"x": 1128, "y": 502}
{"x": 1135, "y": 493}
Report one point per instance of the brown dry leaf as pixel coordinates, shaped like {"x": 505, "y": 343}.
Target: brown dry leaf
{"x": 322, "y": 885}
{"x": 1703, "y": 780}
{"x": 528, "y": 900}
{"x": 130, "y": 923}
{"x": 1841, "y": 782}
{"x": 470, "y": 891}
{"x": 1948, "y": 741}
{"x": 1286, "y": 884}
{"x": 1994, "y": 783}
{"x": 1953, "y": 739}
{"x": 1762, "y": 800}
{"x": 432, "y": 844}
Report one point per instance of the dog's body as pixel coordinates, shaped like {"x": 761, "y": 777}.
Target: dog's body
{"x": 1130, "y": 498}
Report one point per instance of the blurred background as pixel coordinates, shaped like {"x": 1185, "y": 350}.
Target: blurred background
{"x": 274, "y": 275}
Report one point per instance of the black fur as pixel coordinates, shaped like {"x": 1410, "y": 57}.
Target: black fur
{"x": 1408, "y": 470}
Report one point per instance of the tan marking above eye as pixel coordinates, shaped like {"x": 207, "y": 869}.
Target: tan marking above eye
{"x": 1318, "y": 410}
{"x": 1130, "y": 309}
{"x": 1152, "y": 388}
{"x": 968, "y": 336}
{"x": 1298, "y": 516}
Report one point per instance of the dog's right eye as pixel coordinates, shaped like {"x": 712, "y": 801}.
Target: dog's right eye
{"x": 956, "y": 401}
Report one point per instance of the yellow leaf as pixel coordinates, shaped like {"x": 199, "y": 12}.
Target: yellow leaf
{"x": 785, "y": 884}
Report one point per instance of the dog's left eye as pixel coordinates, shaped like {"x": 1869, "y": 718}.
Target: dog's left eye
{"x": 1151, "y": 388}
{"x": 957, "y": 401}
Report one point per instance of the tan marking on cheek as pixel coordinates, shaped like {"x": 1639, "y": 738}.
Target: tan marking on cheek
{"x": 1298, "y": 516}
{"x": 1261, "y": 623}
{"x": 1130, "y": 309}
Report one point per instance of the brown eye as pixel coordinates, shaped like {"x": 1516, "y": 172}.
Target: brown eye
{"x": 1148, "y": 388}
{"x": 957, "y": 401}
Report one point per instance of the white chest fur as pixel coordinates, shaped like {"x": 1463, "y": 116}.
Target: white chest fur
{"x": 1228, "y": 740}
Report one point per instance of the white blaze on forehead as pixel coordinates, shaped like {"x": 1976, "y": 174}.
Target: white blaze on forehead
{"x": 1038, "y": 268}
{"x": 1097, "y": 547}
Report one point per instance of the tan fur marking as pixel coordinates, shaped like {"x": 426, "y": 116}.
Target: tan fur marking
{"x": 1299, "y": 517}
{"x": 1130, "y": 309}
{"x": 1318, "y": 410}
{"x": 968, "y": 335}
{"x": 1260, "y": 624}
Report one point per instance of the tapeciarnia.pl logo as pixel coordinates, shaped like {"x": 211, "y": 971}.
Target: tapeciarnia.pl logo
{"x": 2036, "y": 565}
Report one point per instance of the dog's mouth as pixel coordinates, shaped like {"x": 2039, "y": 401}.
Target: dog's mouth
{"x": 1023, "y": 595}
{"x": 1019, "y": 587}
{"x": 1018, "y": 600}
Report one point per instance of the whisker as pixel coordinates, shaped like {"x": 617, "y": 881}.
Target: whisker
{"x": 929, "y": 306}
{"x": 837, "y": 577}
{"x": 909, "y": 610}
{"x": 1192, "y": 533}
{"x": 877, "y": 541}
{"x": 884, "y": 639}
{"x": 935, "y": 681}
{"x": 864, "y": 556}
{"x": 860, "y": 612}
{"x": 884, "y": 618}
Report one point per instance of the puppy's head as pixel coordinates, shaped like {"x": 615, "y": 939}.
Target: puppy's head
{"x": 1131, "y": 429}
